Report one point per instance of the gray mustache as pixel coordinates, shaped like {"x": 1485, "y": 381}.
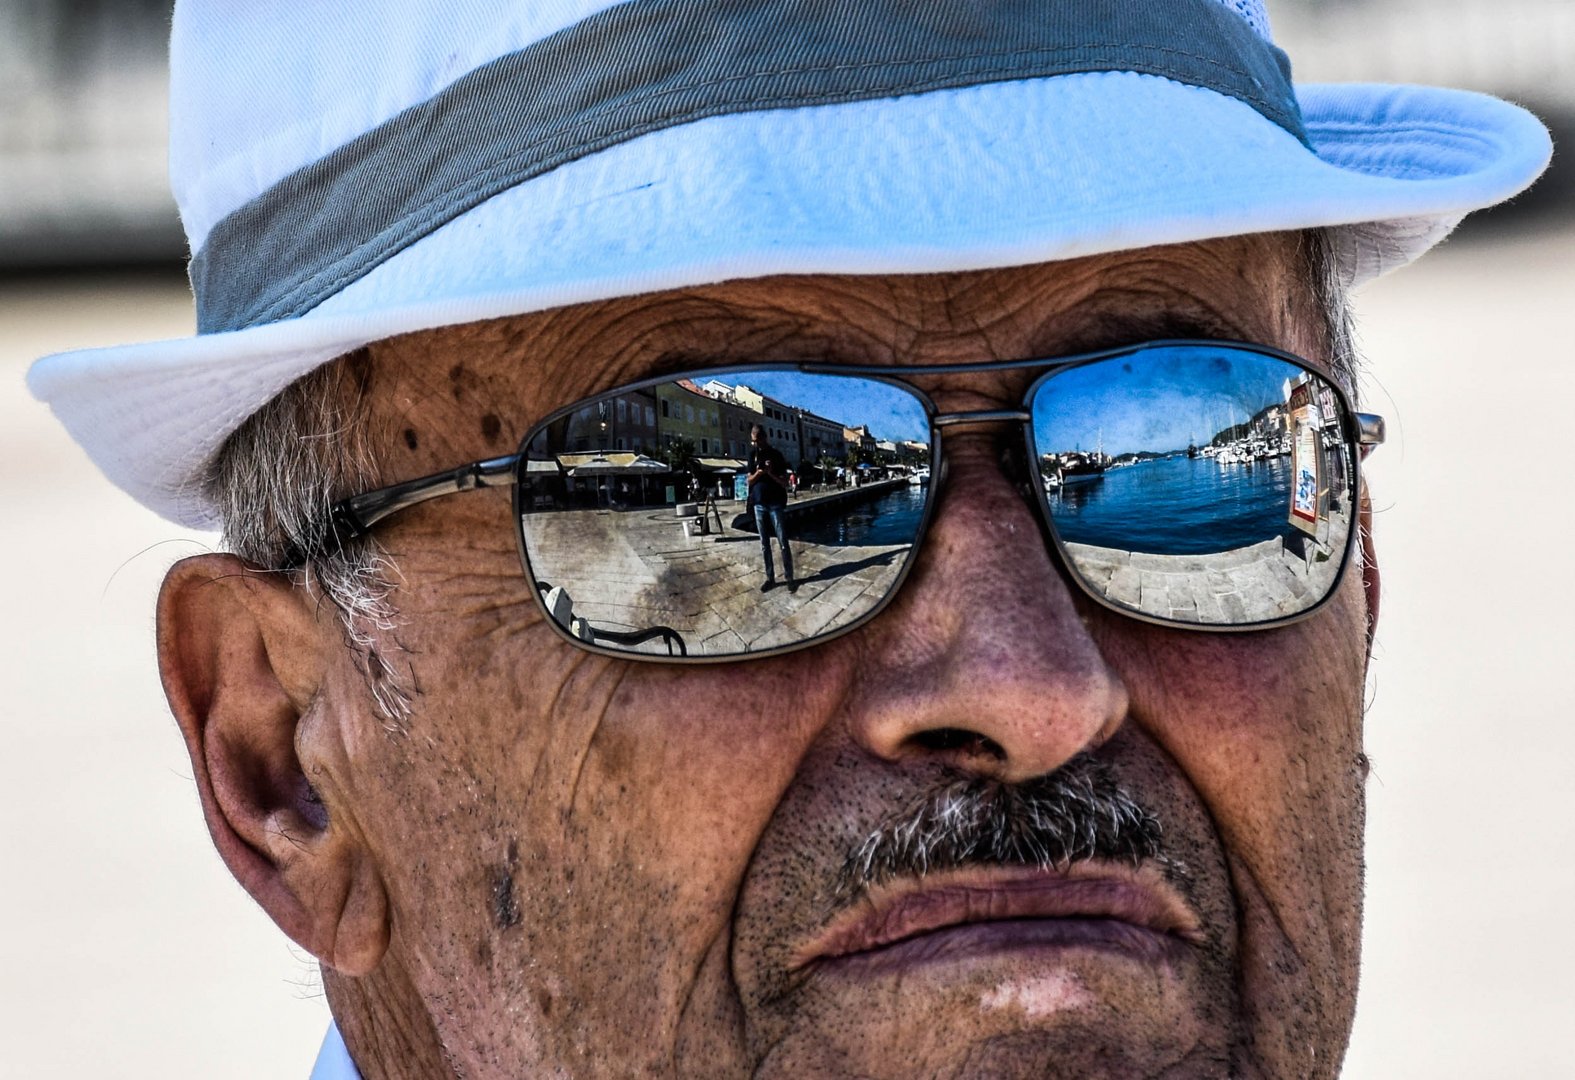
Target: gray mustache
{"x": 1077, "y": 813}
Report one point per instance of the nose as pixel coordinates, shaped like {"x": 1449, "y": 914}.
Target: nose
{"x": 984, "y": 660}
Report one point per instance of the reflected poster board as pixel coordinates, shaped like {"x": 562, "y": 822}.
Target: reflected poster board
{"x": 1306, "y": 460}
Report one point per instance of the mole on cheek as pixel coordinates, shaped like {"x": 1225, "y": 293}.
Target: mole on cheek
{"x": 505, "y": 904}
{"x": 410, "y": 439}
{"x": 491, "y": 426}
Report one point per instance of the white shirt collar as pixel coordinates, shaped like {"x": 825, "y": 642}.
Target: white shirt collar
{"x": 333, "y": 1060}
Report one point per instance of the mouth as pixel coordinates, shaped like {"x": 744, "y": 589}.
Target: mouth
{"x": 984, "y": 911}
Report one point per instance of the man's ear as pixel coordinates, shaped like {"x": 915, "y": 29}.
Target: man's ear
{"x": 243, "y": 659}
{"x": 1369, "y": 566}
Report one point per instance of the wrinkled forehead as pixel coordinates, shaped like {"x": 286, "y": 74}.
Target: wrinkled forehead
{"x": 1251, "y": 288}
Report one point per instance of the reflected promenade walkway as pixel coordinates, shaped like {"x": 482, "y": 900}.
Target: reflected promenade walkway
{"x": 1249, "y": 584}
{"x": 634, "y": 569}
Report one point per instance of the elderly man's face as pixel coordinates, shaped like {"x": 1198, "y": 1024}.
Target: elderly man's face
{"x": 612, "y": 867}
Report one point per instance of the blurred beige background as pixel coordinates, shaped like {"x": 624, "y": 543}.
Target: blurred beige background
{"x": 129, "y": 952}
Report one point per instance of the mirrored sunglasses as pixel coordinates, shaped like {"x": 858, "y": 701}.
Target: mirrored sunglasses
{"x": 747, "y": 511}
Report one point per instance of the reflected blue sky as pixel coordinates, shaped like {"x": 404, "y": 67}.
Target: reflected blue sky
{"x": 1157, "y": 400}
{"x": 891, "y": 413}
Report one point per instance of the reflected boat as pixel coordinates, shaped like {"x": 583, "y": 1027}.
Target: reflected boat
{"x": 1079, "y": 468}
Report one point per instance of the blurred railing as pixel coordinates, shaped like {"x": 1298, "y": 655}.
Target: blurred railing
{"x": 83, "y": 102}
{"x": 83, "y": 177}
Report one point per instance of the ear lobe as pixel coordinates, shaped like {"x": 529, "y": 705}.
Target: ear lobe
{"x": 242, "y": 659}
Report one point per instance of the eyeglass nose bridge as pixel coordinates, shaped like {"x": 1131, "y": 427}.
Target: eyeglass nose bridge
{"x": 981, "y": 416}
{"x": 942, "y": 421}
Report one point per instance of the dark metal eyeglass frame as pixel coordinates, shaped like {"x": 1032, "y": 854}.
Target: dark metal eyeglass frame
{"x": 359, "y": 515}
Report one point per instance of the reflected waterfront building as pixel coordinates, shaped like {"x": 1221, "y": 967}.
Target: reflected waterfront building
{"x": 821, "y": 442}
{"x": 778, "y": 420}
{"x": 738, "y": 417}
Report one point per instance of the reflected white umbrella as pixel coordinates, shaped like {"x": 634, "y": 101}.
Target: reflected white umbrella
{"x": 620, "y": 465}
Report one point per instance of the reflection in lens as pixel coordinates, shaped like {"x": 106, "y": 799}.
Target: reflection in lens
{"x": 1199, "y": 484}
{"x": 646, "y": 535}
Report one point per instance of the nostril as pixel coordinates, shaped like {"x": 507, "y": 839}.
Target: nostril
{"x": 953, "y": 739}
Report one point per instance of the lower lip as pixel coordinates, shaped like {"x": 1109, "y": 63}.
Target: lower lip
{"x": 1010, "y": 938}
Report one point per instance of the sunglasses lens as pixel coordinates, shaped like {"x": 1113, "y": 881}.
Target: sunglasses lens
{"x": 1198, "y": 484}
{"x": 645, "y": 534}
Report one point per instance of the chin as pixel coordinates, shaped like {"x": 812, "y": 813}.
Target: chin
{"x": 1099, "y": 1044}
{"x": 1000, "y": 1004}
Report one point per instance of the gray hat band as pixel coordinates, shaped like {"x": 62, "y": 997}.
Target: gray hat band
{"x": 647, "y": 65}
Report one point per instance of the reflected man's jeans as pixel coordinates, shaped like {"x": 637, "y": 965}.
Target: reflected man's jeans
{"x": 779, "y": 526}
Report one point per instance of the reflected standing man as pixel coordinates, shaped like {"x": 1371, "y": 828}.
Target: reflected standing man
{"x": 768, "y": 496}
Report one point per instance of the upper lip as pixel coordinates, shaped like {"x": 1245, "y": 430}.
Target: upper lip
{"x": 909, "y": 907}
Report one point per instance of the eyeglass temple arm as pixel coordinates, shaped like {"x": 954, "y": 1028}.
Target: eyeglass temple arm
{"x": 356, "y": 516}
{"x": 1369, "y": 430}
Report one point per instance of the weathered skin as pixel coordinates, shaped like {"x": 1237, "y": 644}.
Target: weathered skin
{"x": 580, "y": 866}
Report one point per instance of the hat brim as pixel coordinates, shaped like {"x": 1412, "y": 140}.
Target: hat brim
{"x": 1002, "y": 174}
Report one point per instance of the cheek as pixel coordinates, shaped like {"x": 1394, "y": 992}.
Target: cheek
{"x": 572, "y": 737}
{"x": 662, "y": 782}
{"x": 1264, "y": 724}
{"x": 699, "y": 757}
{"x": 620, "y": 803}
{"x": 1267, "y": 730}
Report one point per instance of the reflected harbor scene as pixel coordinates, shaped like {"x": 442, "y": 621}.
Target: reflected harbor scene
{"x": 1247, "y": 524}
{"x": 1208, "y": 486}
{"x": 620, "y": 578}
{"x": 637, "y": 515}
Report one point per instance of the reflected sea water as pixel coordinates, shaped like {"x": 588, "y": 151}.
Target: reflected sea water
{"x": 891, "y": 519}
{"x": 1171, "y": 506}
{"x": 1177, "y": 506}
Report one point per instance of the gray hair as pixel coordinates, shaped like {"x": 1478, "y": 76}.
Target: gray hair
{"x": 273, "y": 482}
{"x": 1319, "y": 251}
{"x": 275, "y": 478}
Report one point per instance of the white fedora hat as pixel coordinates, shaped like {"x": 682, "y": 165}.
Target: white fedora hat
{"x": 347, "y": 172}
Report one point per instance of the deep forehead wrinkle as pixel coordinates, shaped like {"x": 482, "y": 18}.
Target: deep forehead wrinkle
{"x": 911, "y": 321}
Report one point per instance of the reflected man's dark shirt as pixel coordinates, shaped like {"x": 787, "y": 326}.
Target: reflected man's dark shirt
{"x": 766, "y": 491}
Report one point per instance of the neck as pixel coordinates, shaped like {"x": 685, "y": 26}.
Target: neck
{"x": 385, "y": 1024}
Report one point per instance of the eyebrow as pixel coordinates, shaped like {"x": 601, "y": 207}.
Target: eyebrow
{"x": 1101, "y": 330}
{"x": 1118, "y": 329}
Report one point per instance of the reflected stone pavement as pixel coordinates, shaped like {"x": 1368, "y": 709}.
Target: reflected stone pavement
{"x": 1269, "y": 580}
{"x": 634, "y": 569}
